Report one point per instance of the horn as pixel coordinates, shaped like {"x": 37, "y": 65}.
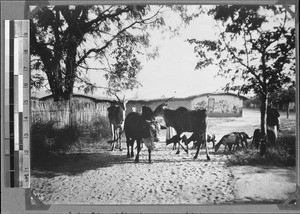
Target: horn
{"x": 169, "y": 99}
{"x": 117, "y": 97}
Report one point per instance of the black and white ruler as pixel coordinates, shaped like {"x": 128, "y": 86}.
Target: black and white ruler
{"x": 17, "y": 103}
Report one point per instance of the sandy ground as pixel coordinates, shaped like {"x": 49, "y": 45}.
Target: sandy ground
{"x": 111, "y": 178}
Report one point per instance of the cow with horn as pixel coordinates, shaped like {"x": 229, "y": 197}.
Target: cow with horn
{"x": 116, "y": 117}
{"x": 184, "y": 120}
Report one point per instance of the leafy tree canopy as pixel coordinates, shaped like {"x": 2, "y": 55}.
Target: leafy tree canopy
{"x": 69, "y": 41}
{"x": 255, "y": 44}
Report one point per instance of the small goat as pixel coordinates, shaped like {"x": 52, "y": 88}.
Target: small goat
{"x": 229, "y": 141}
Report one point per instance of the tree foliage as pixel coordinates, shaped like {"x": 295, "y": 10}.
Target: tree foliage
{"x": 256, "y": 44}
{"x": 67, "y": 40}
{"x": 249, "y": 49}
{"x": 284, "y": 96}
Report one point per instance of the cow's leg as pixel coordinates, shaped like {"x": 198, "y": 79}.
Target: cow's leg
{"x": 113, "y": 137}
{"x": 138, "y": 150}
{"x": 206, "y": 147}
{"x": 149, "y": 152}
{"x": 201, "y": 139}
{"x": 178, "y": 142}
{"x": 119, "y": 136}
{"x": 132, "y": 146}
{"x": 198, "y": 144}
{"x": 128, "y": 143}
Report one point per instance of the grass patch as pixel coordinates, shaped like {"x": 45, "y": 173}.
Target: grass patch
{"x": 48, "y": 139}
{"x": 281, "y": 154}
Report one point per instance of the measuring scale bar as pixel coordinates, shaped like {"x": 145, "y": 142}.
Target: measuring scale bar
{"x": 17, "y": 103}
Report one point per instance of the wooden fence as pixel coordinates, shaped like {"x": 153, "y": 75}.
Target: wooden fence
{"x": 67, "y": 112}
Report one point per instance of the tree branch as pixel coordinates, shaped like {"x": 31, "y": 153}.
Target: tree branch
{"x": 90, "y": 84}
{"x": 245, "y": 44}
{"x": 98, "y": 50}
{"x": 97, "y": 69}
{"x": 239, "y": 60}
{"x": 102, "y": 17}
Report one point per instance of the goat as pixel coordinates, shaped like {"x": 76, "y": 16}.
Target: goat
{"x": 116, "y": 117}
{"x": 140, "y": 128}
{"x": 184, "y": 120}
{"x": 244, "y": 139}
{"x": 210, "y": 137}
{"x": 230, "y": 140}
{"x": 176, "y": 139}
{"x": 257, "y": 137}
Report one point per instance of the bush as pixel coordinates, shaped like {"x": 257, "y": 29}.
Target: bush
{"x": 281, "y": 154}
{"x": 42, "y": 138}
{"x": 46, "y": 138}
{"x": 95, "y": 131}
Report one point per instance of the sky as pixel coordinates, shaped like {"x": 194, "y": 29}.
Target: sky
{"x": 173, "y": 72}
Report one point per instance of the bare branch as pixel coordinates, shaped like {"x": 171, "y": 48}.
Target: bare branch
{"x": 97, "y": 69}
{"x": 91, "y": 84}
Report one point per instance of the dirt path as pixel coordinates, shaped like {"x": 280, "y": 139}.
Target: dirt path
{"x": 111, "y": 178}
{"x": 171, "y": 179}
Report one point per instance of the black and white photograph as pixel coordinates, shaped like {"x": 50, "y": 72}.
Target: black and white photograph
{"x": 163, "y": 104}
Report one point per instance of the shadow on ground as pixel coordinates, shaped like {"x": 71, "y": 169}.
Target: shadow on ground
{"x": 73, "y": 164}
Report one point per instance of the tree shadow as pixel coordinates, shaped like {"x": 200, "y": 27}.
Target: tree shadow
{"x": 73, "y": 164}
{"x": 78, "y": 163}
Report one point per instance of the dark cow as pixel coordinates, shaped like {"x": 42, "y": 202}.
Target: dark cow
{"x": 116, "y": 117}
{"x": 184, "y": 120}
{"x": 141, "y": 128}
{"x": 257, "y": 137}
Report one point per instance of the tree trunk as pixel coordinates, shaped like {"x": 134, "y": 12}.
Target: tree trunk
{"x": 62, "y": 82}
{"x": 263, "y": 124}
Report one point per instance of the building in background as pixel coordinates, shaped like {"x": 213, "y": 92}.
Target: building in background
{"x": 217, "y": 104}
{"x": 80, "y": 108}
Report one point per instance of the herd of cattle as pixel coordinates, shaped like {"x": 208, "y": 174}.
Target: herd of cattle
{"x": 143, "y": 128}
